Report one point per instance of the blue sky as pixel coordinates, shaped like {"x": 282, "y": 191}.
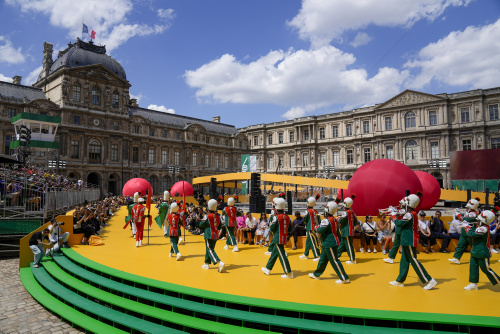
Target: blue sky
{"x": 264, "y": 61}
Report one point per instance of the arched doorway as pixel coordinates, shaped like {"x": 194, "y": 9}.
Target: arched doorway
{"x": 113, "y": 184}
{"x": 439, "y": 178}
{"x": 93, "y": 178}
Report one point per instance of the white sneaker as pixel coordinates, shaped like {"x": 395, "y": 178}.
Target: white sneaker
{"x": 205, "y": 266}
{"x": 374, "y": 250}
{"x": 313, "y": 276}
{"x": 494, "y": 250}
{"x": 432, "y": 283}
{"x": 342, "y": 282}
{"x": 236, "y": 249}
{"x": 383, "y": 251}
{"x": 362, "y": 250}
{"x": 266, "y": 271}
{"x": 389, "y": 260}
{"x": 454, "y": 260}
{"x": 302, "y": 257}
{"x": 268, "y": 253}
{"x": 369, "y": 250}
{"x": 221, "y": 265}
{"x": 316, "y": 259}
{"x": 137, "y": 244}
{"x": 47, "y": 252}
{"x": 226, "y": 247}
{"x": 140, "y": 242}
{"x": 178, "y": 257}
{"x": 289, "y": 276}
{"x": 350, "y": 262}
{"x": 169, "y": 254}
{"x": 180, "y": 240}
{"x": 396, "y": 283}
{"x": 472, "y": 286}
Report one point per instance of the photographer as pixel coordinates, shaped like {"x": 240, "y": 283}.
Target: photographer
{"x": 55, "y": 236}
{"x": 80, "y": 226}
{"x": 36, "y": 242}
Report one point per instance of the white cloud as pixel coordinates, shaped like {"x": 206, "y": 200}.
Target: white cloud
{"x": 303, "y": 80}
{"x": 161, "y": 108}
{"x": 463, "y": 58}
{"x": 361, "y": 38}
{"x": 108, "y": 18}
{"x": 8, "y": 53}
{"x": 321, "y": 21}
{"x": 4, "y": 78}
{"x": 33, "y": 76}
{"x": 138, "y": 97}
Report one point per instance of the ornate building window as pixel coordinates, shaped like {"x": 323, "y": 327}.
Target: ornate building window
{"x": 321, "y": 133}
{"x": 164, "y": 157}
{"x": 388, "y": 123}
{"x": 292, "y": 136}
{"x": 207, "y": 161}
{"x": 322, "y": 159}
{"x": 116, "y": 125}
{"x": 226, "y": 162}
{"x": 270, "y": 163}
{"x": 76, "y": 120}
{"x": 75, "y": 149}
{"x": 433, "y": 117}
{"x": 410, "y": 121}
{"x": 195, "y": 159}
{"x": 114, "y": 152}
{"x": 115, "y": 100}
{"x": 165, "y": 134}
{"x": 151, "y": 132}
{"x": 94, "y": 151}
{"x": 335, "y": 131}
{"x": 493, "y": 109}
{"x": 217, "y": 165}
{"x": 464, "y": 115}
{"x": 305, "y": 160}
{"x": 280, "y": 137}
{"x": 164, "y": 181}
{"x": 137, "y": 129}
{"x": 270, "y": 139}
{"x": 336, "y": 158}
{"x": 467, "y": 144}
{"x": 135, "y": 154}
{"x": 349, "y": 157}
{"x": 495, "y": 142}
{"x": 411, "y": 150}
{"x": 434, "y": 150}
{"x": 77, "y": 91}
{"x": 151, "y": 156}
{"x": 348, "y": 130}
{"x": 177, "y": 156}
{"x": 11, "y": 112}
{"x": 366, "y": 127}
{"x": 96, "y": 96}
{"x": 292, "y": 161}
{"x": 389, "y": 152}
{"x": 306, "y": 134}
{"x": 255, "y": 140}
{"x": 367, "y": 155}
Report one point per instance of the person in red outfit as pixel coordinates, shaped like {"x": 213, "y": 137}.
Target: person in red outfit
{"x": 139, "y": 216}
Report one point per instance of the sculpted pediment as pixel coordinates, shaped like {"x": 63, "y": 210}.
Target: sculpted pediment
{"x": 409, "y": 97}
{"x": 98, "y": 72}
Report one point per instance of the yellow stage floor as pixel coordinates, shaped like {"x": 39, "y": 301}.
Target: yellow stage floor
{"x": 242, "y": 276}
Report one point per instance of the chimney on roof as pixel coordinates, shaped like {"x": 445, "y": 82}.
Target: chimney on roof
{"x": 216, "y": 119}
{"x": 16, "y": 80}
{"x": 133, "y": 103}
{"x": 47, "y": 58}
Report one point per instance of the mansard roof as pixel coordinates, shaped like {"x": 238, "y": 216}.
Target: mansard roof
{"x": 182, "y": 122}
{"x": 18, "y": 93}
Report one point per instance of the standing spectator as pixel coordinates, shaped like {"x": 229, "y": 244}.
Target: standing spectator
{"x": 439, "y": 232}
{"x": 298, "y": 228}
{"x": 251, "y": 224}
{"x": 370, "y": 230}
{"x": 426, "y": 237}
{"x": 36, "y": 242}
{"x": 384, "y": 232}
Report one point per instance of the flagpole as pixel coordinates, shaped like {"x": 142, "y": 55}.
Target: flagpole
{"x": 184, "y": 209}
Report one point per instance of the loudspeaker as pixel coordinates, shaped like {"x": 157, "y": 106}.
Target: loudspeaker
{"x": 255, "y": 184}
{"x": 289, "y": 202}
{"x": 212, "y": 192}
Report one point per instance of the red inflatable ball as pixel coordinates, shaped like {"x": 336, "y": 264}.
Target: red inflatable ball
{"x": 177, "y": 189}
{"x": 136, "y": 185}
{"x": 431, "y": 189}
{"x": 381, "y": 183}
{"x": 345, "y": 192}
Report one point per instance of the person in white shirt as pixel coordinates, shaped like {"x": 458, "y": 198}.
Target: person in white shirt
{"x": 456, "y": 225}
{"x": 427, "y": 239}
{"x": 251, "y": 225}
{"x": 370, "y": 230}
{"x": 56, "y": 235}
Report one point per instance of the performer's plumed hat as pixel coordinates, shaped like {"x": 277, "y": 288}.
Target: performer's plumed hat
{"x": 140, "y": 200}
{"x": 348, "y": 201}
{"x": 331, "y": 207}
{"x": 136, "y": 197}
{"x": 174, "y": 207}
{"x": 166, "y": 195}
{"x": 280, "y": 203}
{"x": 212, "y": 205}
{"x": 486, "y": 217}
{"x": 230, "y": 201}
{"x": 311, "y": 201}
{"x": 412, "y": 200}
{"x": 473, "y": 203}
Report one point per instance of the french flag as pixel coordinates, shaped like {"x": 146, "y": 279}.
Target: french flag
{"x": 85, "y": 32}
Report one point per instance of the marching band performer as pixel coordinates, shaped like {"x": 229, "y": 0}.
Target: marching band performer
{"x": 397, "y": 238}
{"x": 330, "y": 239}
{"x": 274, "y": 212}
{"x": 229, "y": 214}
{"x": 281, "y": 226}
{"x": 470, "y": 218}
{"x": 173, "y": 220}
{"x": 138, "y": 218}
{"x": 409, "y": 241}
{"x": 129, "y": 218}
{"x": 311, "y": 219}
{"x": 347, "y": 221}
{"x": 480, "y": 253}
{"x": 212, "y": 224}
{"x": 162, "y": 212}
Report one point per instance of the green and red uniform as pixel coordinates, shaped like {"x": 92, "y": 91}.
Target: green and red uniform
{"x": 229, "y": 214}
{"x": 212, "y": 225}
{"x": 174, "y": 231}
{"x": 281, "y": 226}
{"x": 311, "y": 220}
{"x": 480, "y": 255}
{"x": 347, "y": 222}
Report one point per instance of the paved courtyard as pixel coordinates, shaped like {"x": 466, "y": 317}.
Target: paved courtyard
{"x": 19, "y": 312}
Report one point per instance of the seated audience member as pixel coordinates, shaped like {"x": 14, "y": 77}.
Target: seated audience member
{"x": 262, "y": 226}
{"x": 370, "y": 230}
{"x": 242, "y": 227}
{"x": 439, "y": 232}
{"x": 426, "y": 238}
{"x": 298, "y": 229}
{"x": 79, "y": 227}
{"x": 56, "y": 235}
{"x": 360, "y": 234}
{"x": 384, "y": 233}
{"x": 455, "y": 227}
{"x": 36, "y": 242}
{"x": 495, "y": 235}
{"x": 251, "y": 225}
